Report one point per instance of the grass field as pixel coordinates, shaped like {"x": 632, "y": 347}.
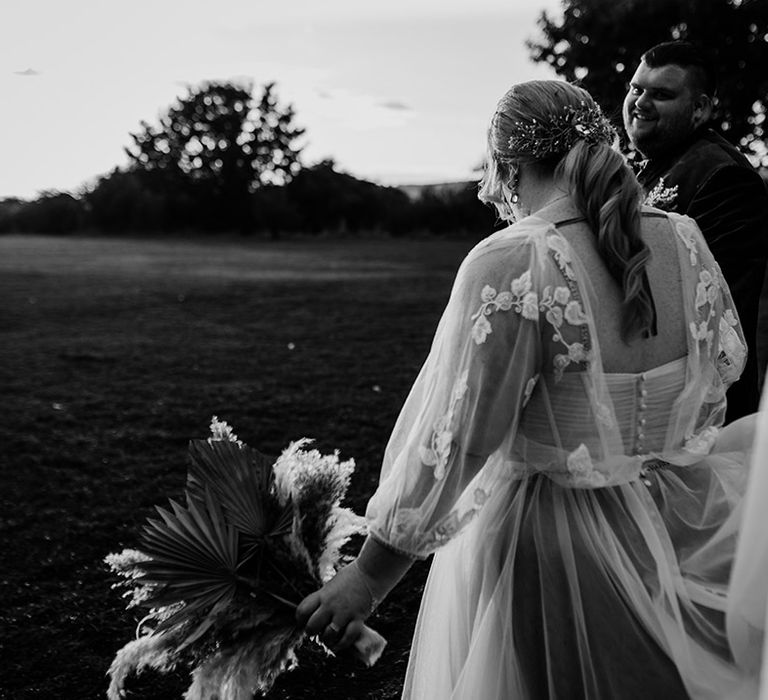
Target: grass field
{"x": 114, "y": 353}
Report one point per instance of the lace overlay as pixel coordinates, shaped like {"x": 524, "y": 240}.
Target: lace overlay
{"x": 688, "y": 235}
{"x": 436, "y": 455}
{"x": 521, "y": 299}
{"x": 733, "y": 352}
{"x": 707, "y": 324}
{"x": 570, "y": 310}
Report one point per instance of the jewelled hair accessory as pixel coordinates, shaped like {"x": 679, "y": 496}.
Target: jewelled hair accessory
{"x": 539, "y": 139}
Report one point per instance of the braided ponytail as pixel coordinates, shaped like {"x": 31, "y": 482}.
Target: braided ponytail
{"x": 606, "y": 192}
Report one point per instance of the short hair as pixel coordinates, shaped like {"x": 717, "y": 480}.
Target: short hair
{"x": 691, "y": 57}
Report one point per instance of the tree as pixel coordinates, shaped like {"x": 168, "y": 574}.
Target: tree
{"x": 216, "y": 146}
{"x": 598, "y": 43}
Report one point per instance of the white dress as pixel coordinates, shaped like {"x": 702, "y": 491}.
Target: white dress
{"x": 583, "y": 527}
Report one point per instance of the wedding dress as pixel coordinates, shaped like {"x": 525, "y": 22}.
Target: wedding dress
{"x": 584, "y": 523}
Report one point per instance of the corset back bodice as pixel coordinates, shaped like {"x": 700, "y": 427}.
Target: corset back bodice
{"x": 561, "y": 415}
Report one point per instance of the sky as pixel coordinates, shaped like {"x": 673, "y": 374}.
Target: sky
{"x": 395, "y": 91}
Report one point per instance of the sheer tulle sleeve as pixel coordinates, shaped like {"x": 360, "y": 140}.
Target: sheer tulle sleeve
{"x": 466, "y": 401}
{"x": 717, "y": 349}
{"x": 714, "y": 319}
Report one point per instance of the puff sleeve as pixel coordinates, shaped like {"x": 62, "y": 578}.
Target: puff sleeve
{"x": 465, "y": 403}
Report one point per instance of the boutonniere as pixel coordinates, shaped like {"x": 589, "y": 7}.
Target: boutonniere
{"x": 660, "y": 196}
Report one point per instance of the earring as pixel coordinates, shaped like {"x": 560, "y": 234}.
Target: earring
{"x": 508, "y": 208}
{"x": 514, "y": 181}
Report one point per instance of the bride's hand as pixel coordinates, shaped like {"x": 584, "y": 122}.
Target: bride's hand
{"x": 337, "y": 611}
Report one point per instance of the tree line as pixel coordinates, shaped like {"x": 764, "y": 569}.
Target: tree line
{"x": 318, "y": 200}
{"x": 222, "y": 159}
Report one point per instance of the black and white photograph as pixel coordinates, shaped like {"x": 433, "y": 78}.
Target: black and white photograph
{"x": 404, "y": 350}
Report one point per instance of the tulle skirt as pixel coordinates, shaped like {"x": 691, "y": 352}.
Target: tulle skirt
{"x": 613, "y": 593}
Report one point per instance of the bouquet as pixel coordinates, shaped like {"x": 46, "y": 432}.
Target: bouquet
{"x": 220, "y": 577}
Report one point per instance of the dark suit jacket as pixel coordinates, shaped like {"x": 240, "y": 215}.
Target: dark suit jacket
{"x": 713, "y": 183}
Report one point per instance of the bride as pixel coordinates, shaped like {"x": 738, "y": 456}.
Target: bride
{"x": 561, "y": 451}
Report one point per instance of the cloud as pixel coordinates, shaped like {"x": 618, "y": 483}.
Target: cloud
{"x": 358, "y": 111}
{"x": 394, "y": 104}
{"x": 27, "y": 73}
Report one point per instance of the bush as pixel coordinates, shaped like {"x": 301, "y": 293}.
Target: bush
{"x": 132, "y": 201}
{"x": 52, "y": 212}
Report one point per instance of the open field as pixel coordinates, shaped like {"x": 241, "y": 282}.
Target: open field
{"x": 115, "y": 352}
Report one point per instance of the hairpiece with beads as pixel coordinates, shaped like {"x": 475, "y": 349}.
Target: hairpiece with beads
{"x": 559, "y": 132}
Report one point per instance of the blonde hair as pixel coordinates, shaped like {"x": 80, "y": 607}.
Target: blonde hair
{"x": 602, "y": 186}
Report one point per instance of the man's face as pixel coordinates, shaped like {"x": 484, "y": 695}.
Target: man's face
{"x": 661, "y": 109}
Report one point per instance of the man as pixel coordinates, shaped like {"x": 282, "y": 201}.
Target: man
{"x": 692, "y": 170}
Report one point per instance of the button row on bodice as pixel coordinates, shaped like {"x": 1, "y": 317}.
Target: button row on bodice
{"x": 642, "y": 395}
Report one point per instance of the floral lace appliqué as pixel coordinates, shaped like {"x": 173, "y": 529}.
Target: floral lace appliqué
{"x": 687, "y": 234}
{"x": 707, "y": 291}
{"x": 562, "y": 255}
{"x": 436, "y": 455}
{"x": 603, "y": 414}
{"x": 733, "y": 353}
{"x": 661, "y": 197}
{"x": 559, "y": 307}
{"x": 701, "y": 443}
{"x": 581, "y": 468}
{"x": 450, "y": 525}
{"x": 407, "y": 523}
{"x": 529, "y": 387}
{"x": 562, "y": 304}
{"x": 520, "y": 297}
{"x": 557, "y": 304}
